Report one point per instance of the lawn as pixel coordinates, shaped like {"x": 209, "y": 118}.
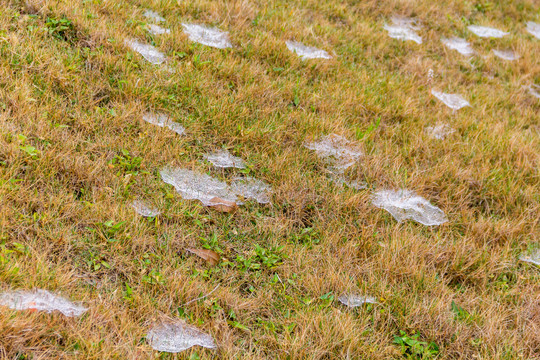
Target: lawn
{"x": 261, "y": 255}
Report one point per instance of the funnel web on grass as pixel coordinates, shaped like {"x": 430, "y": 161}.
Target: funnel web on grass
{"x": 250, "y": 188}
{"x": 194, "y": 185}
{"x": 163, "y": 120}
{"x": 355, "y": 300}
{"x": 340, "y": 155}
{"x": 178, "y": 336}
{"x": 40, "y": 300}
{"x": 507, "y": 55}
{"x": 157, "y": 30}
{"x": 439, "y": 131}
{"x": 307, "y": 52}
{"x": 405, "y": 205}
{"x": 533, "y": 29}
{"x": 533, "y": 257}
{"x": 337, "y": 150}
{"x": 152, "y": 15}
{"x": 340, "y": 179}
{"x": 534, "y": 90}
{"x": 459, "y": 44}
{"x": 410, "y": 23}
{"x": 223, "y": 159}
{"x": 404, "y": 29}
{"x": 453, "y": 101}
{"x": 206, "y": 35}
{"x": 150, "y": 53}
{"x": 486, "y": 31}
{"x": 144, "y": 210}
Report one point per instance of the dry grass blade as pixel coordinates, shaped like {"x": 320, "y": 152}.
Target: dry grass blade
{"x": 210, "y": 256}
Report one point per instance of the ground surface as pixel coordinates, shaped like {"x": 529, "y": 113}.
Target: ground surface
{"x": 75, "y": 152}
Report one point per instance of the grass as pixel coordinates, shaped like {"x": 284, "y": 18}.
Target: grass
{"x": 74, "y": 152}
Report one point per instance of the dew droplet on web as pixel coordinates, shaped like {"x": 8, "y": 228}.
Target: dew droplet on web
{"x": 453, "y": 101}
{"x": 206, "y": 35}
{"x": 40, "y": 300}
{"x": 223, "y": 159}
{"x": 405, "y": 204}
{"x": 355, "y": 300}
{"x": 486, "y": 31}
{"x": 163, "y": 120}
{"x": 507, "y": 55}
{"x": 459, "y": 44}
{"x": 150, "y": 53}
{"x": 174, "y": 337}
{"x": 306, "y": 52}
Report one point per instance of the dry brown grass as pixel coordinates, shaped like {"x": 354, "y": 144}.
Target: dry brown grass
{"x": 79, "y": 102}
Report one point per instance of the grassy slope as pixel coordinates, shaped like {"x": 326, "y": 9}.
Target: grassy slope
{"x": 79, "y": 103}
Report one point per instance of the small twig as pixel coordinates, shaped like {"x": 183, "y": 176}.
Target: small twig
{"x": 199, "y": 298}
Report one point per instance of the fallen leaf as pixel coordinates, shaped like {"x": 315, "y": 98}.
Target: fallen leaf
{"x": 31, "y": 306}
{"x": 209, "y": 256}
{"x": 223, "y": 205}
